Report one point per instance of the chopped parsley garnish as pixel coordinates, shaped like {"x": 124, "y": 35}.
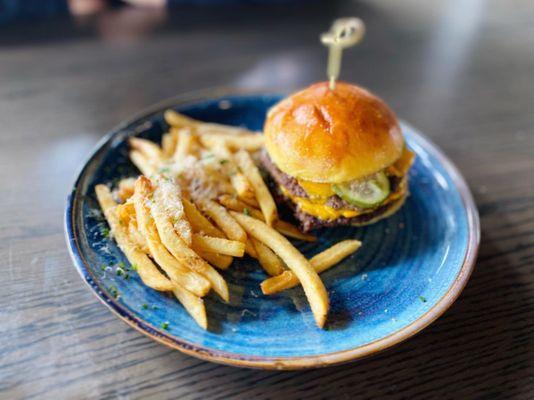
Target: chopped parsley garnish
{"x": 105, "y": 232}
{"x": 114, "y": 292}
{"x": 119, "y": 272}
{"x": 222, "y": 162}
{"x": 246, "y": 211}
{"x": 134, "y": 267}
{"x": 103, "y": 267}
{"x": 126, "y": 276}
{"x": 423, "y": 299}
{"x": 164, "y": 170}
{"x": 155, "y": 307}
{"x": 145, "y": 306}
{"x": 165, "y": 325}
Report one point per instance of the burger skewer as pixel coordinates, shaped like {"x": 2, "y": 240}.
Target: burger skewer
{"x": 344, "y": 33}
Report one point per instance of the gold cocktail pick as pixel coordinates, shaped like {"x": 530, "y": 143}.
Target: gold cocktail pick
{"x": 345, "y": 32}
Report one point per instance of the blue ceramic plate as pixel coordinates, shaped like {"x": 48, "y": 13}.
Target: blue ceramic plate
{"x": 409, "y": 270}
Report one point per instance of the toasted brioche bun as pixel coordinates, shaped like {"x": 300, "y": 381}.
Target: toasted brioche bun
{"x": 332, "y": 136}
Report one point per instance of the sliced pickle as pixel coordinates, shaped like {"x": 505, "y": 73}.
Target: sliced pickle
{"x": 365, "y": 193}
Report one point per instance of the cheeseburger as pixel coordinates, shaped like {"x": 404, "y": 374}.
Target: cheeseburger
{"x": 336, "y": 156}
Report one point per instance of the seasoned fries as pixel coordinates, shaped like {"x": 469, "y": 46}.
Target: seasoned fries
{"x": 193, "y": 304}
{"x": 270, "y": 262}
{"x": 198, "y": 221}
{"x": 223, "y": 219}
{"x": 212, "y": 244}
{"x": 248, "y": 142}
{"x": 242, "y": 186}
{"x": 168, "y": 144}
{"x": 285, "y": 228}
{"x": 265, "y": 200}
{"x": 149, "y": 149}
{"x": 179, "y": 249}
{"x": 321, "y": 262}
{"x": 217, "y": 260}
{"x": 200, "y": 202}
{"x": 148, "y": 272}
{"x": 295, "y": 261}
{"x": 142, "y": 163}
{"x": 178, "y": 273}
{"x": 185, "y": 142}
{"x": 168, "y": 197}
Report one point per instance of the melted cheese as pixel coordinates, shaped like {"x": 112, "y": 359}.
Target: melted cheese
{"x": 319, "y": 209}
{"x": 315, "y": 189}
{"x": 320, "y": 192}
{"x": 402, "y": 165}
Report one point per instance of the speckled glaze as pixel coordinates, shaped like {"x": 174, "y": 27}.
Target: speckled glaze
{"x": 409, "y": 270}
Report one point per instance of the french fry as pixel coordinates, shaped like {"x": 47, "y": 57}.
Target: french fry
{"x": 251, "y": 202}
{"x": 199, "y": 222}
{"x": 283, "y": 227}
{"x": 125, "y": 212}
{"x": 179, "y": 249}
{"x": 250, "y": 142}
{"x": 265, "y": 200}
{"x": 147, "y": 271}
{"x": 146, "y": 147}
{"x": 295, "y": 261}
{"x": 178, "y": 120}
{"x": 250, "y": 249}
{"x": 238, "y": 181}
{"x": 184, "y": 145}
{"x": 179, "y": 274}
{"x": 137, "y": 237}
{"x": 167, "y": 195}
{"x": 320, "y": 262}
{"x": 270, "y": 262}
{"x": 242, "y": 186}
{"x": 168, "y": 144}
{"x": 217, "y": 260}
{"x": 142, "y": 163}
{"x": 235, "y": 204}
{"x": 223, "y": 219}
{"x": 126, "y": 188}
{"x": 212, "y": 244}
{"x": 193, "y": 304}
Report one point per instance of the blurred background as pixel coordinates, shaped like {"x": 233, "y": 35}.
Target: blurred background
{"x": 462, "y": 71}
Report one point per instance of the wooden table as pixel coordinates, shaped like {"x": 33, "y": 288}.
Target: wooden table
{"x": 461, "y": 71}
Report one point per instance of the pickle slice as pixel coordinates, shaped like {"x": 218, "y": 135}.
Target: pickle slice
{"x": 364, "y": 193}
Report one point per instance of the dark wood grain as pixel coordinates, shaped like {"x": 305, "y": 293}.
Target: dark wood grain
{"x": 461, "y": 71}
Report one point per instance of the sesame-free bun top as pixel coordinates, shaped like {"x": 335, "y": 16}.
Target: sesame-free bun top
{"x": 332, "y": 136}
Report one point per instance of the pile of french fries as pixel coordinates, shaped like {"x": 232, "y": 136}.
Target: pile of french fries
{"x": 200, "y": 202}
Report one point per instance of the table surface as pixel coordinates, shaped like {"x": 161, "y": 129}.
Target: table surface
{"x": 460, "y": 71}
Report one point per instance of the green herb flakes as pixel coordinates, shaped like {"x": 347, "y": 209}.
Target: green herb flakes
{"x": 114, "y": 292}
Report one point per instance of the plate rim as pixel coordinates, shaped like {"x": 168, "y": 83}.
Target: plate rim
{"x": 264, "y": 362}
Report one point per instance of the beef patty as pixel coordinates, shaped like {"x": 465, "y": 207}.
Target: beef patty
{"x": 308, "y": 222}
